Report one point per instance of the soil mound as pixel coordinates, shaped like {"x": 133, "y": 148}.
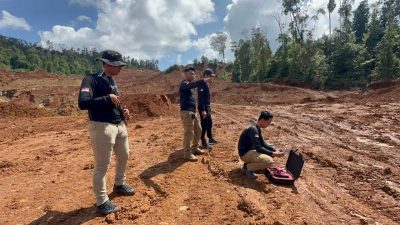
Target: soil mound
{"x": 389, "y": 92}
{"x": 6, "y": 76}
{"x": 12, "y": 110}
{"x": 142, "y": 106}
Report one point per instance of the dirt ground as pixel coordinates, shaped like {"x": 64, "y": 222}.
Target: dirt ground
{"x": 350, "y": 140}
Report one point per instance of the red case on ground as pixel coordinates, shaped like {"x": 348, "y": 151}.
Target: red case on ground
{"x": 278, "y": 175}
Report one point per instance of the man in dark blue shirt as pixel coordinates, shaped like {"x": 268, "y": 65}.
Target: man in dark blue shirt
{"x": 204, "y": 103}
{"x": 189, "y": 118}
{"x": 253, "y": 150}
{"x": 100, "y": 96}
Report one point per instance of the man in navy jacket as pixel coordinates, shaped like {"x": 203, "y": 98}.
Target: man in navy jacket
{"x": 253, "y": 150}
{"x": 99, "y": 95}
{"x": 204, "y": 107}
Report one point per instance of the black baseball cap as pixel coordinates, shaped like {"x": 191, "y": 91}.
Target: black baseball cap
{"x": 188, "y": 68}
{"x": 265, "y": 115}
{"x": 209, "y": 72}
{"x": 112, "y": 58}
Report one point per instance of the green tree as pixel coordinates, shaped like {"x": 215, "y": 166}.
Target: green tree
{"x": 388, "y": 63}
{"x": 360, "y": 21}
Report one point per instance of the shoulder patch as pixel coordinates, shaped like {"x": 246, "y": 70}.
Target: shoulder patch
{"x": 85, "y": 89}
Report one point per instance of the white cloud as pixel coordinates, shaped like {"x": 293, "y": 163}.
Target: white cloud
{"x": 179, "y": 59}
{"x": 202, "y": 45}
{"x": 138, "y": 28}
{"x": 242, "y": 15}
{"x": 84, "y": 18}
{"x": 10, "y": 21}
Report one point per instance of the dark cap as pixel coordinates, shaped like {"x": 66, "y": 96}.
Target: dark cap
{"x": 112, "y": 58}
{"x": 209, "y": 72}
{"x": 265, "y": 115}
{"x": 188, "y": 68}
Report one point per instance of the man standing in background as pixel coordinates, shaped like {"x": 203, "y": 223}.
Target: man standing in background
{"x": 100, "y": 96}
{"x": 204, "y": 105}
{"x": 189, "y": 118}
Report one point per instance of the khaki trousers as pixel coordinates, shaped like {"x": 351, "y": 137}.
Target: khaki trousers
{"x": 105, "y": 138}
{"x": 257, "y": 161}
{"x": 192, "y": 129}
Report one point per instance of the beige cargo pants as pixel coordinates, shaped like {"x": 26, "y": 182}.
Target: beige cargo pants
{"x": 106, "y": 138}
{"x": 257, "y": 161}
{"x": 191, "y": 128}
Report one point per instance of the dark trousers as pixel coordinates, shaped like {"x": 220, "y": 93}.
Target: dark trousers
{"x": 206, "y": 124}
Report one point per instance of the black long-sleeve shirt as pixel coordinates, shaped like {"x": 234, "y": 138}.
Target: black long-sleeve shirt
{"x": 94, "y": 97}
{"x": 251, "y": 139}
{"x": 204, "y": 98}
{"x": 187, "y": 101}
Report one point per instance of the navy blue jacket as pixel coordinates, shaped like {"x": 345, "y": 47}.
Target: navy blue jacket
{"x": 187, "y": 101}
{"x": 251, "y": 139}
{"x": 94, "y": 97}
{"x": 204, "y": 98}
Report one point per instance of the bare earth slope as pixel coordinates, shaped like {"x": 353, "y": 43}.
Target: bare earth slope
{"x": 351, "y": 143}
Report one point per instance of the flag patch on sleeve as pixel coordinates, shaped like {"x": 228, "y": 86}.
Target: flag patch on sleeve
{"x": 85, "y": 89}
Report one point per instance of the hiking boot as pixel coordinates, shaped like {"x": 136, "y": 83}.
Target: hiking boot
{"x": 197, "y": 151}
{"x": 212, "y": 141}
{"x": 205, "y": 145}
{"x": 190, "y": 157}
{"x": 124, "y": 190}
{"x": 248, "y": 173}
{"x": 107, "y": 208}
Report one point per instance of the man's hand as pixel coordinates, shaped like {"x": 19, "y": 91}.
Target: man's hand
{"x": 204, "y": 114}
{"x": 115, "y": 99}
{"x": 207, "y": 80}
{"x": 126, "y": 113}
{"x": 278, "y": 154}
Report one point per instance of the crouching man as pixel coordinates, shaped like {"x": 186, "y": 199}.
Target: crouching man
{"x": 253, "y": 150}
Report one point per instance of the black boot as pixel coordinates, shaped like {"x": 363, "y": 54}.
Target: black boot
{"x": 212, "y": 141}
{"x": 205, "y": 145}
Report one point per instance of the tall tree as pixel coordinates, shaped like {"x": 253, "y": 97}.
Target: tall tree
{"x": 262, "y": 54}
{"x": 375, "y": 31}
{"x": 360, "y": 21}
{"x": 345, "y": 13}
{"x": 331, "y": 7}
{"x": 298, "y": 12}
{"x": 218, "y": 43}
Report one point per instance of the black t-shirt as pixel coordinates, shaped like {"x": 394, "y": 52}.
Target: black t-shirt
{"x": 251, "y": 139}
{"x": 204, "y": 99}
{"x": 94, "y": 97}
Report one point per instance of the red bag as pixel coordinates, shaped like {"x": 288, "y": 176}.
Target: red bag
{"x": 278, "y": 175}
{"x": 287, "y": 175}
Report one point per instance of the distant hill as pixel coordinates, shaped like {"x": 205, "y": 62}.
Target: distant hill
{"x": 17, "y": 54}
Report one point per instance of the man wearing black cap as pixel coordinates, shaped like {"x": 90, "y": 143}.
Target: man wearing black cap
{"x": 100, "y": 96}
{"x": 204, "y": 105}
{"x": 190, "y": 120}
{"x": 253, "y": 150}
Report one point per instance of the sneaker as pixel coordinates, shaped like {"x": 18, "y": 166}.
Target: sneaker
{"x": 190, "y": 157}
{"x": 212, "y": 141}
{"x": 197, "y": 151}
{"x": 107, "y": 208}
{"x": 248, "y": 173}
{"x": 124, "y": 190}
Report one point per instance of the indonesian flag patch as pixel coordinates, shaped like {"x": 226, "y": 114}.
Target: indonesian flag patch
{"x": 85, "y": 89}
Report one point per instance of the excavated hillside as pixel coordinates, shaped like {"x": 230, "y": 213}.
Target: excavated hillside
{"x": 350, "y": 141}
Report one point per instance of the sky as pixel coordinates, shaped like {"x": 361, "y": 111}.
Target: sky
{"x": 171, "y": 31}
